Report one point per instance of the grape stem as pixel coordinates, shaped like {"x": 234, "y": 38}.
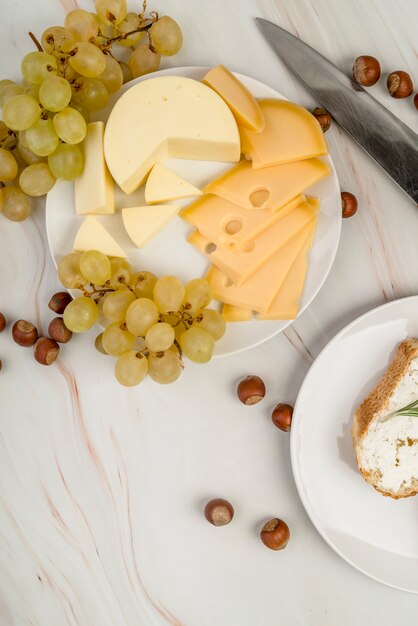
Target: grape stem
{"x": 36, "y": 42}
{"x": 126, "y": 35}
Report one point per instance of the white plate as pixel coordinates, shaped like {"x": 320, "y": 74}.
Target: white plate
{"x": 375, "y": 534}
{"x": 169, "y": 252}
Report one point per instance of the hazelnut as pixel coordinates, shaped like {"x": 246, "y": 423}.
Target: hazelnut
{"x": 349, "y": 204}
{"x": 1, "y": 364}
{"x": 24, "y": 333}
{"x": 219, "y": 512}
{"x": 416, "y": 100}
{"x": 275, "y": 534}
{"x": 251, "y": 390}
{"x": 59, "y": 302}
{"x": 399, "y": 84}
{"x": 46, "y": 350}
{"x": 366, "y": 70}
{"x": 282, "y": 417}
{"x": 2, "y": 322}
{"x": 324, "y": 118}
{"x": 58, "y": 331}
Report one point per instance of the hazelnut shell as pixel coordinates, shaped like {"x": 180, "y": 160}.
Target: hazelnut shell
{"x": 251, "y": 390}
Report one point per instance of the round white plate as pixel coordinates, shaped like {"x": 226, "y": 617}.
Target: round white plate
{"x": 375, "y": 534}
{"x": 169, "y": 252}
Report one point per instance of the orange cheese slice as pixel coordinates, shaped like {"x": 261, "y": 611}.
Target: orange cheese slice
{"x": 240, "y": 264}
{"x": 268, "y": 187}
{"x": 229, "y": 225}
{"x": 242, "y": 103}
{"x": 258, "y": 292}
{"x": 290, "y": 134}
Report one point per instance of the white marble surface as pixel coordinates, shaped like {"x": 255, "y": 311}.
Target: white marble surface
{"x": 101, "y": 488}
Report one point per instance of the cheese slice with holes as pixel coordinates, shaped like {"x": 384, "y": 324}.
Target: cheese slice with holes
{"x": 145, "y": 222}
{"x": 242, "y": 103}
{"x": 167, "y": 116}
{"x": 239, "y": 264}
{"x": 290, "y": 134}
{"x": 268, "y": 187}
{"x": 258, "y": 292}
{"x": 229, "y": 225}
{"x": 92, "y": 235}
{"x": 163, "y": 185}
{"x": 93, "y": 189}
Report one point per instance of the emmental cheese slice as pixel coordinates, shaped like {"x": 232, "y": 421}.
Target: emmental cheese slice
{"x": 163, "y": 185}
{"x": 229, "y": 225}
{"x": 258, "y": 292}
{"x": 92, "y": 235}
{"x": 94, "y": 191}
{"x": 269, "y": 187}
{"x": 167, "y": 116}
{"x": 240, "y": 264}
{"x": 143, "y": 223}
{"x": 242, "y": 103}
{"x": 290, "y": 134}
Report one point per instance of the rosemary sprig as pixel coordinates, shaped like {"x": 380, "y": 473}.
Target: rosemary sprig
{"x": 410, "y": 410}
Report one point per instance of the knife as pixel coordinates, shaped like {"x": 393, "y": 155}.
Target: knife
{"x": 389, "y": 141}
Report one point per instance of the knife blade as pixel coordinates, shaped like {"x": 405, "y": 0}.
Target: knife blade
{"x": 390, "y": 142}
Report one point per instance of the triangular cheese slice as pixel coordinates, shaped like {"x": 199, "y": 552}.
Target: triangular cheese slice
{"x": 142, "y": 223}
{"x": 163, "y": 185}
{"x": 92, "y": 235}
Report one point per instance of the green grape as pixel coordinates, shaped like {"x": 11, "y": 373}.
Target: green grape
{"x": 31, "y": 90}
{"x": 160, "y": 337}
{"x": 116, "y": 303}
{"x": 9, "y": 91}
{"x": 8, "y": 166}
{"x": 27, "y": 155}
{"x": 1, "y": 199}
{"x": 80, "y": 315}
{"x": 41, "y": 138}
{"x": 66, "y": 162}
{"x": 82, "y": 110}
{"x": 179, "y": 330}
{"x": 166, "y": 36}
{"x": 197, "y": 345}
{"x": 90, "y": 93}
{"x": 121, "y": 272}
{"x": 36, "y": 179}
{"x": 131, "y": 368}
{"x": 70, "y": 126}
{"x": 141, "y": 315}
{"x": 98, "y": 344}
{"x": 112, "y": 76}
{"x": 130, "y": 23}
{"x": 82, "y": 25}
{"x": 165, "y": 368}
{"x": 198, "y": 294}
{"x": 111, "y": 11}
{"x": 95, "y": 267}
{"x": 126, "y": 71}
{"x": 143, "y": 60}
{"x": 5, "y": 83}
{"x": 168, "y": 294}
{"x": 212, "y": 322}
{"x": 16, "y": 204}
{"x": 21, "y": 112}
{"x": 38, "y": 66}
{"x": 69, "y": 271}
{"x": 55, "y": 93}
{"x": 57, "y": 38}
{"x": 116, "y": 339}
{"x": 87, "y": 59}
{"x": 143, "y": 284}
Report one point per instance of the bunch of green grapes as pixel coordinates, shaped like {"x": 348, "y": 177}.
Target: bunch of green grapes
{"x": 71, "y": 75}
{"x": 149, "y": 322}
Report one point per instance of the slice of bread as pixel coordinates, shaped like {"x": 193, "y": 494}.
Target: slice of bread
{"x": 386, "y": 445}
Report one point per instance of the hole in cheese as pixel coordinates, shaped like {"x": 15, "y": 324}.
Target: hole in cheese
{"x": 233, "y": 226}
{"x": 249, "y": 246}
{"x": 210, "y": 248}
{"x": 259, "y": 197}
{"x": 227, "y": 282}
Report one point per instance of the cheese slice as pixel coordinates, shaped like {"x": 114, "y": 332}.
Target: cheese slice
{"x": 144, "y": 222}
{"x": 268, "y": 187}
{"x": 163, "y": 185}
{"x": 167, "y": 116}
{"x": 229, "y": 225}
{"x": 92, "y": 235}
{"x": 93, "y": 189}
{"x": 258, "y": 292}
{"x": 233, "y": 313}
{"x": 240, "y": 264}
{"x": 290, "y": 134}
{"x": 242, "y": 103}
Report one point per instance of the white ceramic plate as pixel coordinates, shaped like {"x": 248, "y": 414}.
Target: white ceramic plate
{"x": 375, "y": 534}
{"x": 169, "y": 252}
